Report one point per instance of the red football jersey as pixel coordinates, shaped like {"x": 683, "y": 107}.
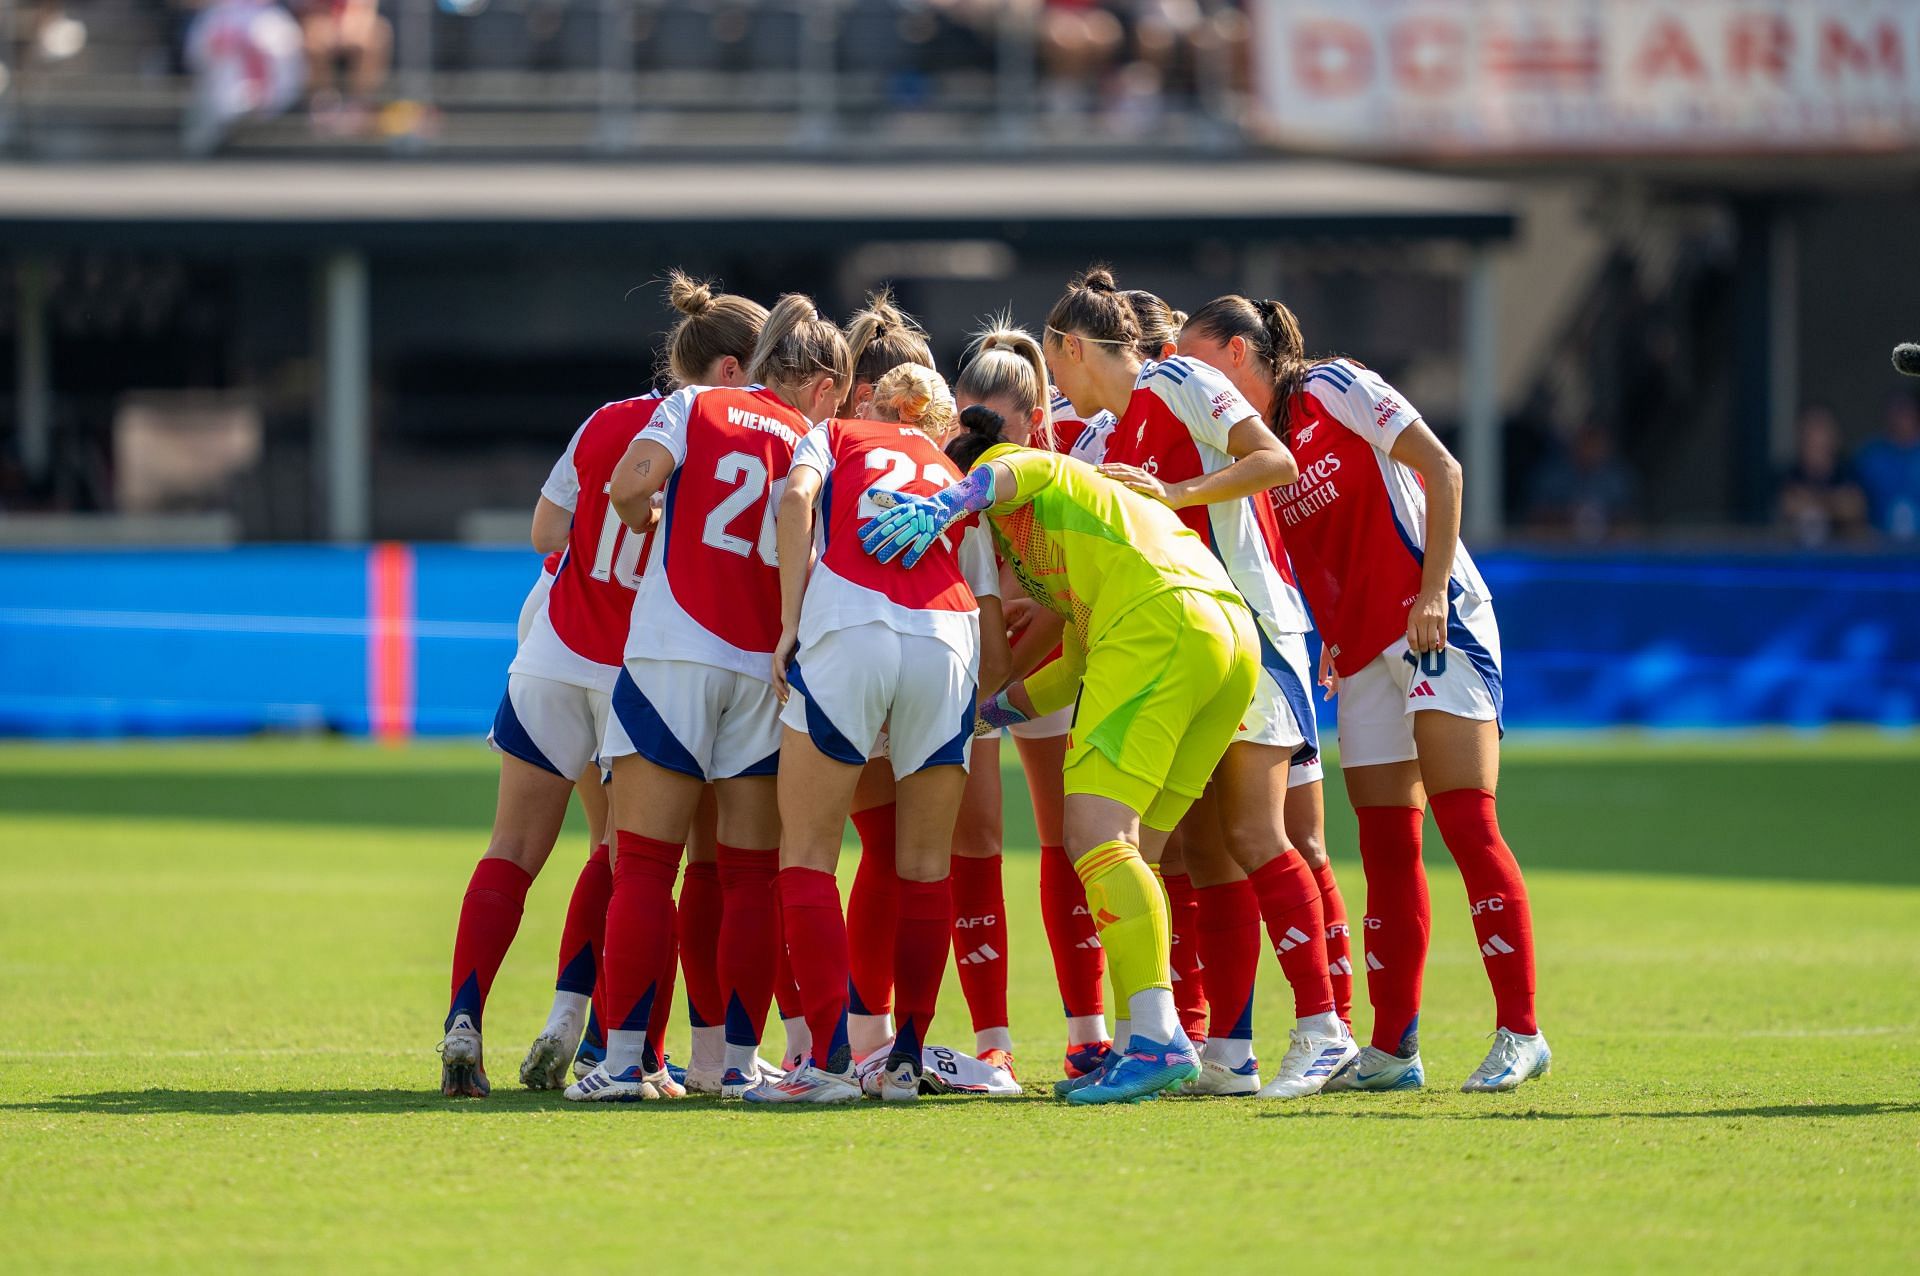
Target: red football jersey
{"x": 591, "y": 603}
{"x": 856, "y": 456}
{"x": 1175, "y": 428}
{"x": 711, "y": 590}
{"x": 1356, "y": 519}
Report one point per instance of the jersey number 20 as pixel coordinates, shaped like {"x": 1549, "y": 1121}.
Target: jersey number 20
{"x": 747, "y": 474}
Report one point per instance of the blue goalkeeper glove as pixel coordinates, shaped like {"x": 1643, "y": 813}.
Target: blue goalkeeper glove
{"x": 998, "y": 712}
{"x": 913, "y": 523}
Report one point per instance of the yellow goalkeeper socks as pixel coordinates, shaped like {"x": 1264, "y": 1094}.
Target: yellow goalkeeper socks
{"x": 1130, "y": 916}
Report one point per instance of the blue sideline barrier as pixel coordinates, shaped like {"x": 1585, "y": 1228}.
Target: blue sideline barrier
{"x": 214, "y": 642}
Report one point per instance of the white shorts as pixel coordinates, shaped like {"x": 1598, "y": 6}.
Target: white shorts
{"x": 849, "y": 684}
{"x": 1059, "y": 722}
{"x": 1282, "y": 709}
{"x": 714, "y": 724}
{"x": 536, "y": 599}
{"x": 556, "y": 726}
{"x": 1377, "y": 704}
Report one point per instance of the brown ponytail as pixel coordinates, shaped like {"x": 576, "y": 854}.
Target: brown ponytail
{"x": 1159, "y": 323}
{"x": 882, "y": 337}
{"x": 1273, "y": 333}
{"x": 711, "y": 326}
{"x": 795, "y": 343}
{"x": 1094, "y": 308}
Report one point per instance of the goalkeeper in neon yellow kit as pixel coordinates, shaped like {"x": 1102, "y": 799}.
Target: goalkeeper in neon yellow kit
{"x": 1162, "y": 656}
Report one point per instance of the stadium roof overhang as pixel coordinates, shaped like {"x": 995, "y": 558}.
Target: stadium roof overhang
{"x": 451, "y": 204}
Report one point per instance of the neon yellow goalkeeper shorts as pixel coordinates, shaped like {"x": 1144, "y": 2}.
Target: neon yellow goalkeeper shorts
{"x": 1164, "y": 692}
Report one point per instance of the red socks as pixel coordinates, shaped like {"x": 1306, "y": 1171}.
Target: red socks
{"x": 1290, "y": 906}
{"x": 1229, "y": 946}
{"x": 699, "y": 934}
{"x": 583, "y": 937}
{"x": 640, "y": 934}
{"x": 1339, "y": 945}
{"x": 749, "y": 936}
{"x": 489, "y": 918}
{"x": 1399, "y": 919}
{"x": 1078, "y": 962}
{"x": 1498, "y": 896}
{"x": 920, "y": 959}
{"x": 872, "y": 907}
{"x": 1189, "y": 993}
{"x": 816, "y": 937}
{"x": 979, "y": 939}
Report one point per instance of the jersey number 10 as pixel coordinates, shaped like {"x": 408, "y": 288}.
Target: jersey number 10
{"x": 614, "y": 559}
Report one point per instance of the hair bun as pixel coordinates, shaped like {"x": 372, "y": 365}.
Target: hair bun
{"x": 983, "y": 421}
{"x": 1099, "y": 279}
{"x": 688, "y": 295}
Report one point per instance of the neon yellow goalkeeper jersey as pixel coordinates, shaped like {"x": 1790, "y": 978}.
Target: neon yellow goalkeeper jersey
{"x": 1088, "y": 548}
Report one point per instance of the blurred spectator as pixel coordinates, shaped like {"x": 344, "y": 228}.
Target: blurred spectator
{"x": 245, "y": 56}
{"x": 1889, "y": 470}
{"x": 349, "y": 47}
{"x": 1587, "y": 492}
{"x": 1820, "y": 499}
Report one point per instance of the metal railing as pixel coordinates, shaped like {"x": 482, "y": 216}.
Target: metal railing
{"x": 104, "y": 77}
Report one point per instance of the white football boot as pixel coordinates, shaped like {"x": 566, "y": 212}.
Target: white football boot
{"x": 548, "y": 1058}
{"x": 1217, "y": 1079}
{"x": 806, "y": 1084}
{"x": 462, "y": 1075}
{"x": 601, "y": 1086}
{"x": 1373, "y": 1069}
{"x": 664, "y": 1086}
{"x": 900, "y": 1082}
{"x": 1312, "y": 1058}
{"x": 1513, "y": 1061}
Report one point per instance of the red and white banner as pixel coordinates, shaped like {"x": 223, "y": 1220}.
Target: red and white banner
{"x": 1544, "y": 76}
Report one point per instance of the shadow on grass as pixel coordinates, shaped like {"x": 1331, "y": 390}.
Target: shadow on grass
{"x": 1772, "y": 1111}
{"x": 504, "y": 1102}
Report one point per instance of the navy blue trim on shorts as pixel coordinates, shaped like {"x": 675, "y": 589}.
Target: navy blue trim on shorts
{"x": 652, "y": 738}
{"x": 820, "y": 729}
{"x": 1461, "y": 639}
{"x": 954, "y": 751}
{"x": 511, "y": 738}
{"x": 1294, "y": 692}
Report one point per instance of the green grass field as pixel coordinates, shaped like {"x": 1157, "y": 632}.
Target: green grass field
{"x": 223, "y": 968}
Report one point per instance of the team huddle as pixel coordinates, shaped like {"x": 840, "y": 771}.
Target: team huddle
{"x": 820, "y": 582}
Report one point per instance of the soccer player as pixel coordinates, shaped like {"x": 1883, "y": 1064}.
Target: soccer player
{"x": 1413, "y": 651}
{"x": 693, "y": 705}
{"x": 549, "y": 722}
{"x": 880, "y": 337}
{"x": 1164, "y": 658}
{"x": 1189, "y": 440}
{"x": 863, "y": 644}
{"x": 1239, "y": 339}
{"x": 1007, "y": 374}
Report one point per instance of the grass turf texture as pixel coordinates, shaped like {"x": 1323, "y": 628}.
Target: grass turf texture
{"x": 223, "y": 968}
